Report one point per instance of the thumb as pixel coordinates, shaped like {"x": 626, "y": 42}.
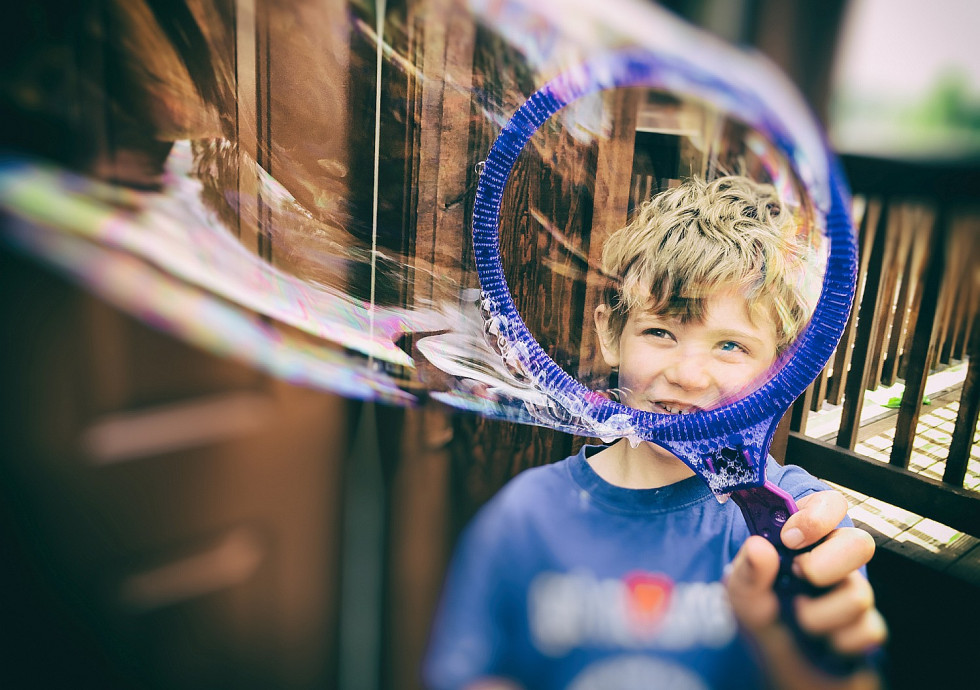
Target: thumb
{"x": 750, "y": 584}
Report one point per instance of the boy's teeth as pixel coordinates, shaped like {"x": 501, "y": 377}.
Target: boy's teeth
{"x": 676, "y": 409}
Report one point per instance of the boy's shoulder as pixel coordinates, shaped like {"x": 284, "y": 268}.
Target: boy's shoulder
{"x": 534, "y": 494}
{"x": 536, "y": 483}
{"x": 793, "y": 479}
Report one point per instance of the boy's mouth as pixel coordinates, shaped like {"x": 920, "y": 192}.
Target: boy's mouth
{"x": 673, "y": 407}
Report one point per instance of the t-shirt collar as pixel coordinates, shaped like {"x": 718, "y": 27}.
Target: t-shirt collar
{"x": 660, "y": 500}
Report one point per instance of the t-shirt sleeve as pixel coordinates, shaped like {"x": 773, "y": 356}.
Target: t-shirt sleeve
{"x": 799, "y": 483}
{"x": 469, "y": 638}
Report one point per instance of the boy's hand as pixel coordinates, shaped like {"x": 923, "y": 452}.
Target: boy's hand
{"x": 845, "y": 614}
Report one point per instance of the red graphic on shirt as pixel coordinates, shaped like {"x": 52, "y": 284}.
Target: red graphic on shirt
{"x": 649, "y": 598}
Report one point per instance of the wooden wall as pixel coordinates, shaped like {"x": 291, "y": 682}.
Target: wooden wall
{"x": 258, "y": 506}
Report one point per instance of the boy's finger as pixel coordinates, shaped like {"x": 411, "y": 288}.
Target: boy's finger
{"x": 756, "y": 565}
{"x": 840, "y": 554}
{"x": 819, "y": 513}
{"x": 865, "y": 635}
{"x": 749, "y": 583}
{"x": 839, "y": 608}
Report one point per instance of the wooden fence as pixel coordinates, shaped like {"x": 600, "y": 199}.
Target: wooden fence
{"x": 916, "y": 312}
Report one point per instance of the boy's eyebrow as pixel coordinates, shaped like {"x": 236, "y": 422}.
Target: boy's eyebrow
{"x": 735, "y": 334}
{"x": 718, "y": 333}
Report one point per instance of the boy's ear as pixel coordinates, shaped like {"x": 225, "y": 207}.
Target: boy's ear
{"x": 608, "y": 343}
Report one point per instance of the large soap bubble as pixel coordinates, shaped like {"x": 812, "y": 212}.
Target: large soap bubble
{"x": 293, "y": 184}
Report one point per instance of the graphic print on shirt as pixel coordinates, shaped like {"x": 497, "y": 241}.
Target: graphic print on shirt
{"x": 634, "y": 672}
{"x": 639, "y": 611}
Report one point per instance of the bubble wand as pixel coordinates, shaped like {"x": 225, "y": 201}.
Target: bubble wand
{"x": 727, "y": 447}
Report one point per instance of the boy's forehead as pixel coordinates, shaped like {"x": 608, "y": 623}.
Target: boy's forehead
{"x": 678, "y": 304}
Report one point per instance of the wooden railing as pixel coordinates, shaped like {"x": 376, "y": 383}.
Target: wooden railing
{"x": 916, "y": 312}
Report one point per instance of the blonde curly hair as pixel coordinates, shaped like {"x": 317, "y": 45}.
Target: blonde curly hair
{"x": 699, "y": 238}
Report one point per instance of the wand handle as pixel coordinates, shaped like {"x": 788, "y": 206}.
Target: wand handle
{"x": 766, "y": 509}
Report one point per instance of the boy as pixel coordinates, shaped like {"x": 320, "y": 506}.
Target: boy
{"x": 616, "y": 568}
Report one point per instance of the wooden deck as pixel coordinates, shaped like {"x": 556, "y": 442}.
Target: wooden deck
{"x": 895, "y": 529}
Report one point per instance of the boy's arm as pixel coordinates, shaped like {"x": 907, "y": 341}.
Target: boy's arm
{"x": 469, "y": 642}
{"x": 845, "y": 615}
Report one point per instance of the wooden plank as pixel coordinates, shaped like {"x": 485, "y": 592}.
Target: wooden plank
{"x": 959, "y": 288}
{"x": 545, "y": 219}
{"x": 174, "y": 427}
{"x": 777, "y": 449}
{"x": 971, "y": 286}
{"x": 439, "y": 151}
{"x": 961, "y": 342}
{"x": 867, "y": 322}
{"x": 443, "y": 145}
{"x": 227, "y": 561}
{"x": 910, "y": 278}
{"x": 971, "y": 312}
{"x": 886, "y": 296}
{"x": 957, "y": 317}
{"x": 843, "y": 354}
{"x": 944, "y": 304}
{"x": 950, "y": 505}
{"x": 246, "y": 118}
{"x": 418, "y": 530}
{"x": 926, "y": 231}
{"x": 263, "y": 123}
{"x": 966, "y": 419}
{"x": 547, "y": 201}
{"x": 614, "y": 166}
{"x": 923, "y": 345}
{"x": 958, "y": 181}
{"x": 894, "y": 319}
{"x": 842, "y": 360}
{"x": 801, "y": 410}
{"x": 819, "y": 390}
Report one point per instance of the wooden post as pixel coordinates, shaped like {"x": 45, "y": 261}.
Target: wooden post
{"x": 614, "y": 168}
{"x": 867, "y": 322}
{"x": 966, "y": 419}
{"x": 923, "y": 346}
{"x": 886, "y": 293}
{"x": 819, "y": 390}
{"x": 801, "y": 410}
{"x": 842, "y": 357}
{"x": 892, "y": 320}
{"x": 910, "y": 279}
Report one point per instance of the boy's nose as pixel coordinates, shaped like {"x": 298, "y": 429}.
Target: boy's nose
{"x": 690, "y": 372}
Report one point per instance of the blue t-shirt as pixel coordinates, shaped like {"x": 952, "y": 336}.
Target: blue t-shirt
{"x": 566, "y": 581}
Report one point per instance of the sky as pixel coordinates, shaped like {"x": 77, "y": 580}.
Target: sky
{"x": 901, "y": 45}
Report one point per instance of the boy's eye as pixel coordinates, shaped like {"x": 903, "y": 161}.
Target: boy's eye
{"x": 658, "y": 333}
{"x": 732, "y": 346}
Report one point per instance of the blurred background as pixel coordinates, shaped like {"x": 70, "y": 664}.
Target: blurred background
{"x": 174, "y": 519}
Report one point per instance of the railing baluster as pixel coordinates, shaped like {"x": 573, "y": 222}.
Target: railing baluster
{"x": 960, "y": 287}
{"x": 920, "y": 355}
{"x": 966, "y": 419}
{"x": 866, "y": 326}
{"x": 819, "y": 388}
{"x": 918, "y": 242}
{"x": 801, "y": 410}
{"x": 891, "y": 268}
{"x": 842, "y": 358}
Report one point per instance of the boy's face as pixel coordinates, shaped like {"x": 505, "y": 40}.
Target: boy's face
{"x": 670, "y": 367}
